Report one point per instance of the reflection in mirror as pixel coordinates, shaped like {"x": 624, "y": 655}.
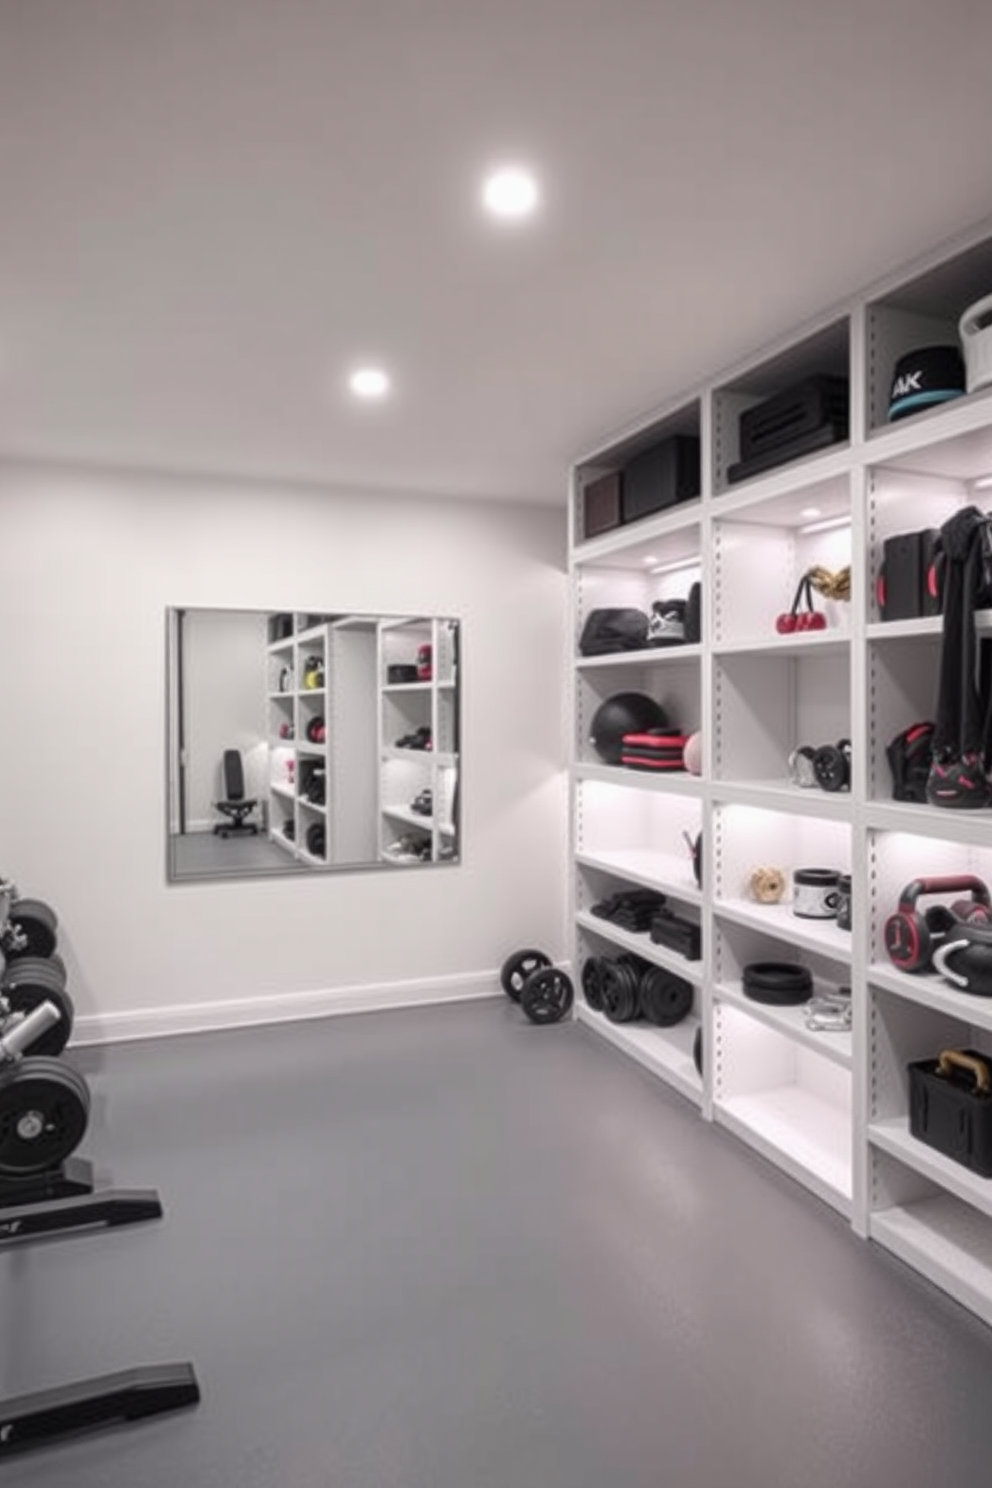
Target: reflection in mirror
{"x": 306, "y": 742}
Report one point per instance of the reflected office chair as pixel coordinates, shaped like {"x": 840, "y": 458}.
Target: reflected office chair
{"x": 236, "y": 808}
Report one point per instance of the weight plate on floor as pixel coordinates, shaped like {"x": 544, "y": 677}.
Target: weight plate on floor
{"x": 592, "y": 982}
{"x": 517, "y": 968}
{"x": 32, "y": 929}
{"x": 44, "y": 1109}
{"x": 665, "y": 998}
{"x": 52, "y": 968}
{"x": 619, "y": 991}
{"x": 25, "y": 994}
{"x": 547, "y": 995}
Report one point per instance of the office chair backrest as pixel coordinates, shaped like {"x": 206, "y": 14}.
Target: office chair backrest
{"x": 234, "y": 775}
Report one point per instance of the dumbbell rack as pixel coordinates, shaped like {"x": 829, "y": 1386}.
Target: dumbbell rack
{"x": 830, "y": 1109}
{"x": 56, "y": 1200}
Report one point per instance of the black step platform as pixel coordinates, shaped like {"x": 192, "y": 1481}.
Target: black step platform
{"x": 48, "y": 1416}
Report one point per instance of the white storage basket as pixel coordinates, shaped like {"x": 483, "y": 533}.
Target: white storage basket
{"x": 975, "y": 328}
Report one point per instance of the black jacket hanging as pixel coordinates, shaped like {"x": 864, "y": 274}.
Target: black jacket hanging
{"x": 957, "y": 775}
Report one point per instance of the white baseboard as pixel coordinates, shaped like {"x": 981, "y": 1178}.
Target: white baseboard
{"x": 288, "y": 1007}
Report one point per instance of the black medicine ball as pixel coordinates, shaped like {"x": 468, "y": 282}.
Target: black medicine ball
{"x": 924, "y": 378}
{"x": 624, "y": 713}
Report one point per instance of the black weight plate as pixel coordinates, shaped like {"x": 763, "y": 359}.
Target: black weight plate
{"x": 665, "y": 998}
{"x": 619, "y": 991}
{"x": 25, "y": 995}
{"x": 592, "y": 982}
{"x": 547, "y": 995}
{"x": 50, "y": 967}
{"x": 36, "y": 924}
{"x": 44, "y": 1109}
{"x": 517, "y": 968}
{"x": 697, "y": 1051}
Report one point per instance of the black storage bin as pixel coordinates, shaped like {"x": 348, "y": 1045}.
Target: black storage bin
{"x": 799, "y": 410}
{"x": 952, "y": 1111}
{"x": 601, "y": 505}
{"x": 661, "y": 476}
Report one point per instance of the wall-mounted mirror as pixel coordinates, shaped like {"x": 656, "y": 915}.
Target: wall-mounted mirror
{"x": 301, "y": 742}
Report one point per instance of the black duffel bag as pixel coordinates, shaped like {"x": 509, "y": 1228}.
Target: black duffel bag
{"x": 606, "y": 631}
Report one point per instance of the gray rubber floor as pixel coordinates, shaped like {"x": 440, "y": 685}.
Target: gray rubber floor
{"x": 444, "y": 1249}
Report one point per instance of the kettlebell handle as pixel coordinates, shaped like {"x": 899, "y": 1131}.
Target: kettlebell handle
{"x": 954, "y": 1059}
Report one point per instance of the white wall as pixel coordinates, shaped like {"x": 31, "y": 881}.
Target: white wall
{"x": 92, "y": 560}
{"x": 224, "y": 685}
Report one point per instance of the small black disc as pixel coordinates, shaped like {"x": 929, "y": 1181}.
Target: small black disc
{"x": 517, "y": 968}
{"x": 547, "y": 995}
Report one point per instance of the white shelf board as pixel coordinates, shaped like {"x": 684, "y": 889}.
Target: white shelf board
{"x": 678, "y": 782}
{"x": 411, "y": 818}
{"x": 973, "y": 827}
{"x": 947, "y": 1242}
{"x": 424, "y": 755}
{"x": 807, "y": 1137}
{"x": 893, "y": 1136}
{"x": 406, "y": 686}
{"x": 281, "y": 697}
{"x": 821, "y": 936}
{"x": 926, "y": 628}
{"x": 282, "y": 841}
{"x": 306, "y": 805}
{"x": 666, "y": 1052}
{"x": 308, "y": 748}
{"x": 276, "y": 648}
{"x": 283, "y": 790}
{"x": 308, "y": 857}
{"x": 790, "y": 1021}
{"x": 649, "y": 656}
{"x": 809, "y": 643}
{"x": 653, "y": 870}
{"x": 782, "y": 795}
{"x": 954, "y": 440}
{"x": 770, "y": 498}
{"x": 931, "y": 991}
{"x": 642, "y": 945}
{"x": 678, "y": 528}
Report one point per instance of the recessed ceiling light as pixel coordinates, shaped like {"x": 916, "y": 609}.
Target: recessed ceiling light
{"x": 369, "y": 382}
{"x": 809, "y": 512}
{"x": 510, "y": 192}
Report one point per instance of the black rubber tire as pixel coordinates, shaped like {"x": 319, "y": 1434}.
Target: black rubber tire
{"x": 517, "y": 968}
{"x": 38, "y": 922}
{"x": 547, "y": 995}
{"x": 53, "y": 967}
{"x": 30, "y": 992}
{"x": 45, "y": 1091}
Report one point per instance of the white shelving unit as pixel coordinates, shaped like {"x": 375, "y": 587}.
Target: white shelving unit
{"x": 323, "y": 773}
{"x": 831, "y": 1109}
{"x": 418, "y": 741}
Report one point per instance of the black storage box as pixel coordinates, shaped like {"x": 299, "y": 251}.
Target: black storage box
{"x": 400, "y": 672}
{"x": 952, "y": 1111}
{"x": 797, "y": 411}
{"x": 806, "y": 417}
{"x": 661, "y": 476}
{"x": 904, "y": 583}
{"x": 601, "y": 505}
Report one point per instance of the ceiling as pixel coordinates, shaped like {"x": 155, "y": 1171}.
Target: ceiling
{"x": 211, "y": 209}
